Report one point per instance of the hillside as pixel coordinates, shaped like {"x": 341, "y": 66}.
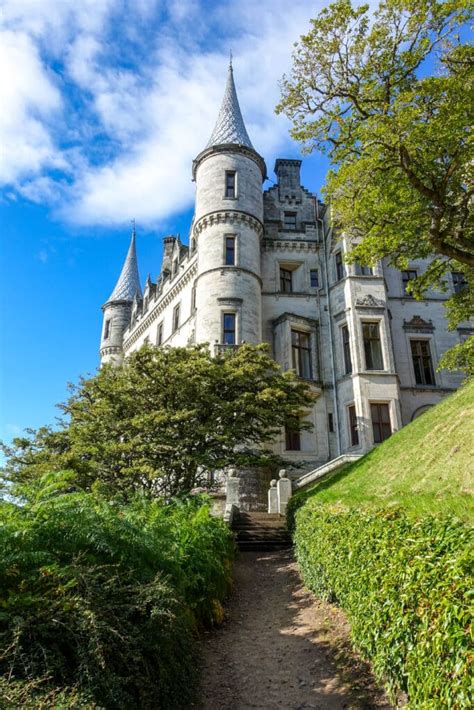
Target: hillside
{"x": 428, "y": 466}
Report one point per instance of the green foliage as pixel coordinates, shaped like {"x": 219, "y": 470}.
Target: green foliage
{"x": 406, "y": 587}
{"x": 399, "y": 138}
{"x": 103, "y": 599}
{"x": 426, "y": 467}
{"x": 164, "y": 419}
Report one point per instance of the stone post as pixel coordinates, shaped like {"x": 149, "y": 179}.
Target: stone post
{"x": 283, "y": 491}
{"x": 273, "y": 497}
{"x": 232, "y": 489}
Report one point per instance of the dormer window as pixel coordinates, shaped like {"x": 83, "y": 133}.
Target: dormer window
{"x": 289, "y": 222}
{"x": 230, "y": 183}
{"x": 175, "y": 267}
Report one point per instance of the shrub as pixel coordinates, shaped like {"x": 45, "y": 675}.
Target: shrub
{"x": 405, "y": 587}
{"x": 105, "y": 598}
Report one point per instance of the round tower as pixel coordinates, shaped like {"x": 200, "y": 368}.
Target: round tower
{"x": 228, "y": 226}
{"x": 117, "y": 309}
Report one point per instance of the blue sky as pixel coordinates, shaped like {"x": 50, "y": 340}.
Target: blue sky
{"x": 108, "y": 101}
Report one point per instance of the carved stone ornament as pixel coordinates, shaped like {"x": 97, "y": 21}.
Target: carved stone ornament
{"x": 369, "y": 301}
{"x": 418, "y": 324}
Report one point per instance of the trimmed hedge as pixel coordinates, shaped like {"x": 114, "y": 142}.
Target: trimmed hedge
{"x": 100, "y": 601}
{"x": 406, "y": 587}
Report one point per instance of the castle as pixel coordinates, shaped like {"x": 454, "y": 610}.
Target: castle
{"x": 265, "y": 266}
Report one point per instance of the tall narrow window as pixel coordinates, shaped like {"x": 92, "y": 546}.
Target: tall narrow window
{"x": 407, "y": 276}
{"x": 175, "y": 267}
{"x": 230, "y": 251}
{"x": 159, "y": 334}
{"x": 292, "y": 436}
{"x": 286, "y": 280}
{"x": 229, "y": 328}
{"x": 459, "y": 281}
{"x": 230, "y": 183}
{"x": 107, "y": 329}
{"x": 193, "y": 246}
{"x": 289, "y": 221}
{"x": 301, "y": 353}
{"x": 176, "y": 318}
{"x": 314, "y": 278}
{"x": 363, "y": 270}
{"x": 372, "y": 346}
{"x": 193, "y": 299}
{"x": 339, "y": 266}
{"x": 331, "y": 422}
{"x": 380, "y": 422}
{"x": 346, "y": 349}
{"x": 353, "y": 428}
{"x": 422, "y": 364}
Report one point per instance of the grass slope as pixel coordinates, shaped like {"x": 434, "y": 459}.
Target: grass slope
{"x": 428, "y": 466}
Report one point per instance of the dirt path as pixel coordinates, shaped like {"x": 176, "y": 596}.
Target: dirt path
{"x": 281, "y": 648}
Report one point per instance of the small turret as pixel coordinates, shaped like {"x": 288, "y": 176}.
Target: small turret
{"x": 118, "y": 308}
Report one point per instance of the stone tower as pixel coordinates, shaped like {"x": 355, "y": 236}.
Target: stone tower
{"x": 118, "y": 308}
{"x": 228, "y": 226}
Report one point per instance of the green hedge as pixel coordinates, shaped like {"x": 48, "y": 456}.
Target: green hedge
{"x": 405, "y": 586}
{"x": 105, "y": 598}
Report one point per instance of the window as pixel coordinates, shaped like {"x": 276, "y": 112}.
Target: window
{"x": 193, "y": 299}
{"x": 372, "y": 346}
{"x": 301, "y": 353}
{"x": 422, "y": 364}
{"x": 289, "y": 221}
{"x": 363, "y": 270}
{"x": 339, "y": 266}
{"x": 229, "y": 328}
{"x": 286, "y": 280}
{"x": 175, "y": 318}
{"x": 229, "y": 251}
{"x": 407, "y": 276}
{"x": 314, "y": 278}
{"x": 230, "y": 183}
{"x": 193, "y": 246}
{"x": 331, "y": 422}
{"x": 106, "y": 329}
{"x": 292, "y": 436}
{"x": 159, "y": 334}
{"x": 380, "y": 422}
{"x": 346, "y": 349}
{"x": 459, "y": 281}
{"x": 353, "y": 428}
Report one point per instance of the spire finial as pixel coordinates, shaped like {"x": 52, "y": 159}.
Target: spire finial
{"x": 230, "y": 60}
{"x": 134, "y": 231}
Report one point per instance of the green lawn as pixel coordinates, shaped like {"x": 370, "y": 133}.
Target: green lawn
{"x": 428, "y": 466}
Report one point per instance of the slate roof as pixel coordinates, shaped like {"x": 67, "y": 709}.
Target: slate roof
{"x": 230, "y": 127}
{"x": 128, "y": 283}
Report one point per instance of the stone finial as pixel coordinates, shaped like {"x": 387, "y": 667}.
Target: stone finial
{"x": 273, "y": 483}
{"x": 282, "y": 473}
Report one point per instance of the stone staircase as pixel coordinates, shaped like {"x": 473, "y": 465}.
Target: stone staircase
{"x": 260, "y": 532}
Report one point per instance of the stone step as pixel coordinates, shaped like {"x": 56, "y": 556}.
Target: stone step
{"x": 263, "y": 545}
{"x": 260, "y": 532}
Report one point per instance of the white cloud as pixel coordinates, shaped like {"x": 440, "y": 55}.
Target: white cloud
{"x": 28, "y": 98}
{"x": 151, "y": 117}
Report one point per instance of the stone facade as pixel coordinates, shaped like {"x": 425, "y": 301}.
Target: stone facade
{"x": 267, "y": 266}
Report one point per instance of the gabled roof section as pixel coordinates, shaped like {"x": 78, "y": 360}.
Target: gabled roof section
{"x": 230, "y": 127}
{"x": 128, "y": 284}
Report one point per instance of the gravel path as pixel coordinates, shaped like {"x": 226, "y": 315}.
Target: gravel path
{"x": 281, "y": 648}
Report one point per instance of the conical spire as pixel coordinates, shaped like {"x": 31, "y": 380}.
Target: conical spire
{"x": 128, "y": 284}
{"x": 230, "y": 127}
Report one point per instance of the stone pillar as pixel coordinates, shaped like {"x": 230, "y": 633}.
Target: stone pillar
{"x": 273, "y": 497}
{"x": 283, "y": 492}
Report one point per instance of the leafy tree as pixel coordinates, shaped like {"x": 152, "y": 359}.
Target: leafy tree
{"x": 165, "y": 419}
{"x": 389, "y": 96}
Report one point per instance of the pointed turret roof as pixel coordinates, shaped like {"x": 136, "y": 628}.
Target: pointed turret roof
{"x": 128, "y": 284}
{"x": 230, "y": 127}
